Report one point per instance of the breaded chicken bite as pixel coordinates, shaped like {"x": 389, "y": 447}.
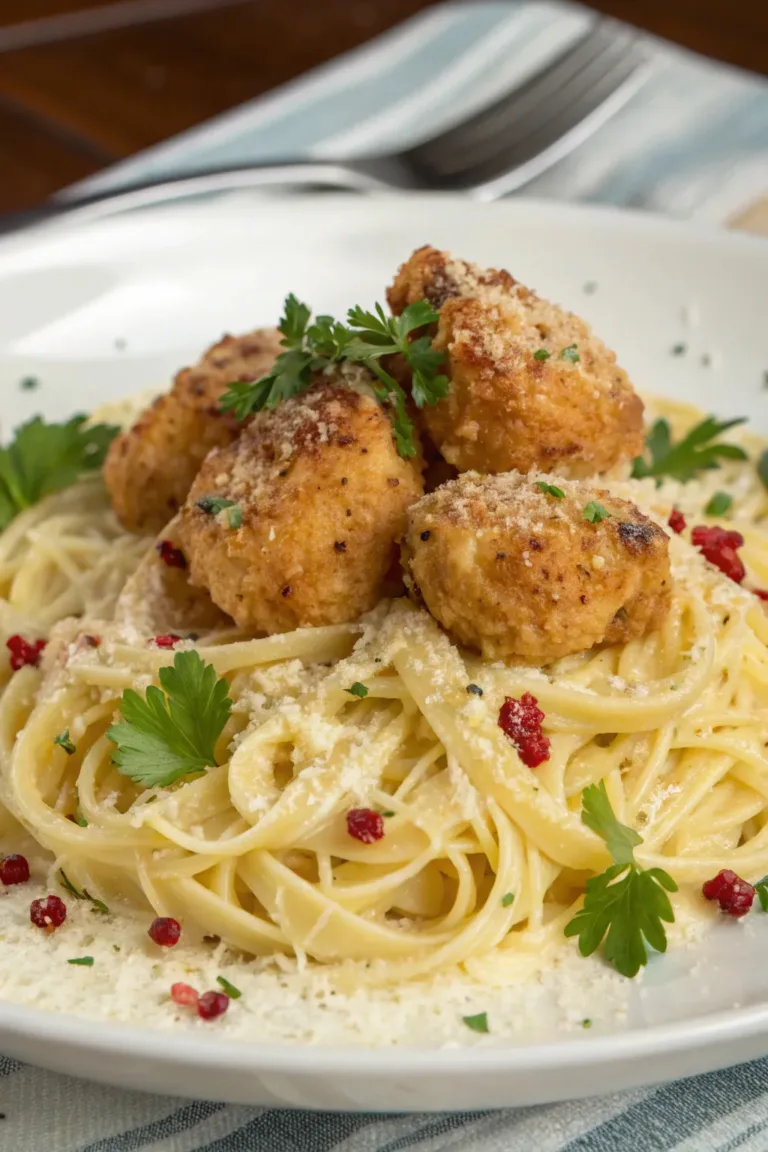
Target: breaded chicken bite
{"x": 531, "y": 385}
{"x": 320, "y": 500}
{"x": 532, "y": 568}
{"x": 150, "y": 467}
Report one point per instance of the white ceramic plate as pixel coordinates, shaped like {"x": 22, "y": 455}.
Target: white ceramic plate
{"x": 96, "y": 312}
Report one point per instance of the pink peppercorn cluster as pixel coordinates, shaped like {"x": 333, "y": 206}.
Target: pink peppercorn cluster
{"x": 365, "y": 825}
{"x": 14, "y": 869}
{"x": 24, "y": 652}
{"x": 521, "y": 721}
{"x": 209, "y": 1005}
{"x": 733, "y": 894}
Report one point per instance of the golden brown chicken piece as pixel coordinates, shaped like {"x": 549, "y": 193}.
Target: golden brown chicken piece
{"x": 531, "y": 385}
{"x": 151, "y": 466}
{"x": 522, "y": 575}
{"x": 321, "y": 499}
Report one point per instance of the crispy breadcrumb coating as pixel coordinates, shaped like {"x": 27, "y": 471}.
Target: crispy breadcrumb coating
{"x": 323, "y": 496}
{"x": 523, "y": 576}
{"x": 531, "y": 385}
{"x": 150, "y": 467}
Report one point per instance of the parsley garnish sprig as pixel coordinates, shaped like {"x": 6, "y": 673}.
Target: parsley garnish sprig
{"x": 366, "y": 338}
{"x": 172, "y": 732}
{"x": 625, "y": 906}
{"x": 699, "y": 450}
{"x": 45, "y": 458}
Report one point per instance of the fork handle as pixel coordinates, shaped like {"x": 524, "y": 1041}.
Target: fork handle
{"x": 353, "y": 177}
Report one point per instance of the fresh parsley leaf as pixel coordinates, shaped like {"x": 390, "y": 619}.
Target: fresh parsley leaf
{"x": 762, "y": 468}
{"x": 231, "y": 991}
{"x": 212, "y": 505}
{"x": 597, "y": 814}
{"x": 719, "y": 504}
{"x": 595, "y": 513}
{"x": 570, "y": 353}
{"x": 358, "y": 690}
{"x": 172, "y": 732}
{"x": 44, "y": 458}
{"x": 64, "y": 742}
{"x": 478, "y": 1023}
{"x": 365, "y": 338}
{"x": 698, "y": 450}
{"x": 84, "y": 961}
{"x": 625, "y": 907}
{"x": 541, "y": 354}
{"x": 294, "y": 321}
{"x": 550, "y": 489}
{"x": 507, "y": 899}
{"x": 68, "y": 886}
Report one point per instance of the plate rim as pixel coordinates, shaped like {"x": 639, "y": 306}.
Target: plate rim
{"x": 184, "y": 1049}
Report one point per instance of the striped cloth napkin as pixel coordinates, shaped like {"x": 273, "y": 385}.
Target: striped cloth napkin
{"x": 692, "y": 143}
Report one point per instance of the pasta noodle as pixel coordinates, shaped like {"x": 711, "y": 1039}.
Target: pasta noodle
{"x": 483, "y": 860}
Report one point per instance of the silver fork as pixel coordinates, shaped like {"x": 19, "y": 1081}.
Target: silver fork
{"x": 496, "y": 151}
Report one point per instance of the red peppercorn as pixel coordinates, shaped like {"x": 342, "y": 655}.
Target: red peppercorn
{"x": 167, "y": 641}
{"x": 173, "y": 557}
{"x": 760, "y": 593}
{"x": 184, "y": 994}
{"x": 212, "y": 1004}
{"x": 365, "y": 825}
{"x": 48, "y": 913}
{"x": 92, "y": 641}
{"x": 733, "y": 894}
{"x": 676, "y": 520}
{"x": 24, "y": 651}
{"x": 165, "y": 931}
{"x": 14, "y": 869}
{"x": 521, "y": 720}
{"x": 718, "y": 545}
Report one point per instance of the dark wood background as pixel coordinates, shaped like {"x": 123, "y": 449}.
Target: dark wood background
{"x": 84, "y": 83}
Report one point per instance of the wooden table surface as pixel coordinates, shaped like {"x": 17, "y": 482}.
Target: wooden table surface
{"x": 84, "y": 83}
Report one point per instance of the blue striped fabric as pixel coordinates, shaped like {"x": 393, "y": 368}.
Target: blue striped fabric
{"x": 693, "y": 142}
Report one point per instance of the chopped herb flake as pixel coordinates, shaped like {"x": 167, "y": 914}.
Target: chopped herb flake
{"x": 358, "y": 690}
{"x": 235, "y": 516}
{"x": 719, "y": 504}
{"x": 29, "y": 383}
{"x": 507, "y": 899}
{"x": 231, "y": 991}
{"x": 550, "y": 489}
{"x": 81, "y": 820}
{"x": 586, "y": 1023}
{"x": 679, "y": 349}
{"x": 83, "y": 961}
{"x": 212, "y": 505}
{"x": 478, "y": 1023}
{"x": 387, "y": 814}
{"x": 541, "y": 354}
{"x": 594, "y": 512}
{"x": 571, "y": 353}
{"x": 64, "y": 742}
{"x": 96, "y": 905}
{"x": 474, "y": 690}
{"x": 761, "y": 887}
